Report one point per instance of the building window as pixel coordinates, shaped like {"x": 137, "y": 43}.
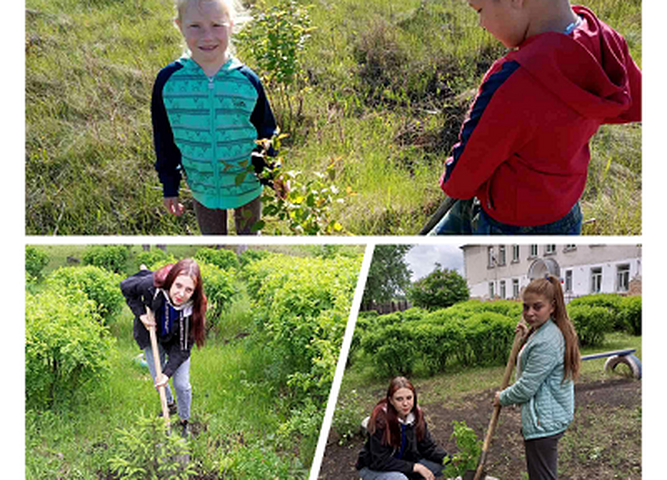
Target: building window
{"x": 596, "y": 280}
{"x": 622, "y": 278}
{"x": 490, "y": 257}
{"x": 515, "y": 288}
{"x": 503, "y": 290}
{"x": 570, "y": 247}
{"x": 549, "y": 249}
{"x": 515, "y": 253}
{"x": 568, "y": 281}
{"x": 492, "y": 290}
{"x": 501, "y": 255}
{"x": 533, "y": 251}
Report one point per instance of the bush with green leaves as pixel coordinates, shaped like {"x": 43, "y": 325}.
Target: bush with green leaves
{"x": 99, "y": 285}
{"x": 35, "y": 261}
{"x": 301, "y": 307}
{"x": 221, "y": 258}
{"x": 146, "y": 450}
{"x": 469, "y": 448}
{"x": 252, "y": 255}
{"x": 591, "y": 323}
{"x": 258, "y": 461}
{"x": 468, "y": 333}
{"x": 441, "y": 288}
{"x": 66, "y": 347}
{"x": 152, "y": 257}
{"x": 111, "y": 257}
{"x": 348, "y": 417}
{"x": 631, "y": 314}
{"x": 220, "y": 290}
{"x": 611, "y": 301}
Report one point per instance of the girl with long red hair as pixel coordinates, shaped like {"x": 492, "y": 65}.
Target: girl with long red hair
{"x": 399, "y": 445}
{"x": 175, "y": 294}
{"x": 547, "y": 366}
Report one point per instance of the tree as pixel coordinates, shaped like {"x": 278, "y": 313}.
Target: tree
{"x": 441, "y": 288}
{"x": 388, "y": 275}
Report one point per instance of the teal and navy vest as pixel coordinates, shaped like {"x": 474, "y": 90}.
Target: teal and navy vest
{"x": 207, "y": 127}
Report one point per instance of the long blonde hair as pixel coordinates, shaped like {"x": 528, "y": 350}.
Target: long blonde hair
{"x": 549, "y": 287}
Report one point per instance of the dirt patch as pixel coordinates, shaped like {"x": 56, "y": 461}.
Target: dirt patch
{"x": 603, "y": 441}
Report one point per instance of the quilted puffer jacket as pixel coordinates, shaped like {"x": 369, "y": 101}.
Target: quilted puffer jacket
{"x": 547, "y": 402}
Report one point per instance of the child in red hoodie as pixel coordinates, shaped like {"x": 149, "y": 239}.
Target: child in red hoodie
{"x": 523, "y": 151}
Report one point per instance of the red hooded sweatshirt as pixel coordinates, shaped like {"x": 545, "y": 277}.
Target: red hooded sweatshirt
{"x": 523, "y": 151}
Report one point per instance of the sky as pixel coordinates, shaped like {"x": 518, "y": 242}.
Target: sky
{"x": 421, "y": 259}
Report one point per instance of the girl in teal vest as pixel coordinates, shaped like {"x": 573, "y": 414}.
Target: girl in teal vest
{"x": 208, "y": 110}
{"x": 547, "y": 367}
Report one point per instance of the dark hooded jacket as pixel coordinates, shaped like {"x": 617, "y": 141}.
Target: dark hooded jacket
{"x": 378, "y": 456}
{"x": 140, "y": 292}
{"x": 524, "y": 150}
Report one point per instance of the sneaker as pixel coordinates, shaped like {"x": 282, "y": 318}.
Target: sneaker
{"x": 173, "y": 409}
{"x": 185, "y": 429}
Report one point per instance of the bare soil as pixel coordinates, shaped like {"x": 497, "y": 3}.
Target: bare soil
{"x": 603, "y": 441}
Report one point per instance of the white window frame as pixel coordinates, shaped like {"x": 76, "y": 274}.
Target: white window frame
{"x": 503, "y": 289}
{"x": 568, "y": 281}
{"x": 516, "y": 250}
{"x": 596, "y": 280}
{"x": 492, "y": 290}
{"x": 623, "y": 277}
{"x": 502, "y": 255}
{"x": 515, "y": 288}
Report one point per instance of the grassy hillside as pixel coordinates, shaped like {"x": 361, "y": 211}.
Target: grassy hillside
{"x": 388, "y": 84}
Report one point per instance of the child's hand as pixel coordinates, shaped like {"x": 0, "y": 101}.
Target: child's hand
{"x": 173, "y": 206}
{"x": 147, "y": 321}
{"x": 423, "y": 471}
{"x": 496, "y": 400}
{"x": 521, "y": 327}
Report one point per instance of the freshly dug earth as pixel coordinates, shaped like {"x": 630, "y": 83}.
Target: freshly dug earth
{"x": 603, "y": 441}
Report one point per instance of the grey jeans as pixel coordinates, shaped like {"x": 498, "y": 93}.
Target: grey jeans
{"x": 213, "y": 221}
{"x": 367, "y": 474}
{"x": 180, "y": 380}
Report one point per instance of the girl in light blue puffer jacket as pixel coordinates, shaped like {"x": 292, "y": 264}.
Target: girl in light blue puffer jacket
{"x": 547, "y": 366}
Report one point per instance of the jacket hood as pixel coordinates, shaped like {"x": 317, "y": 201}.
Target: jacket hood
{"x": 586, "y": 69}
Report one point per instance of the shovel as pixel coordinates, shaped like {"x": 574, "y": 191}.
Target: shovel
{"x": 511, "y": 361}
{"x": 158, "y": 370}
{"x": 442, "y": 210}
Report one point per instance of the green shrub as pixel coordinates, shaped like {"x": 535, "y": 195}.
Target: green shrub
{"x": 221, "y": 258}
{"x": 631, "y": 314}
{"x": 591, "y": 323}
{"x": 98, "y": 284}
{"x": 392, "y": 349}
{"x": 348, "y": 417}
{"x": 66, "y": 347}
{"x": 151, "y": 257}
{"x": 611, "y": 301}
{"x": 257, "y": 461}
{"x": 35, "y": 261}
{"x": 469, "y": 449}
{"x": 219, "y": 289}
{"x": 301, "y": 307}
{"x": 252, "y": 255}
{"x": 111, "y": 257}
{"x": 147, "y": 451}
{"x": 488, "y": 336}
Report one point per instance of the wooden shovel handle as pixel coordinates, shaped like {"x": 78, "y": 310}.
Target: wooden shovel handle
{"x": 511, "y": 361}
{"x": 158, "y": 369}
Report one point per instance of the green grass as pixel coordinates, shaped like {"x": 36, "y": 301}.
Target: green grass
{"x": 232, "y": 401}
{"x": 389, "y": 84}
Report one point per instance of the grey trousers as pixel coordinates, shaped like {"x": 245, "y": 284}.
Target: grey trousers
{"x": 213, "y": 221}
{"x": 542, "y": 457}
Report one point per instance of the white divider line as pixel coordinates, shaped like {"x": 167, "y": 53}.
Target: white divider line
{"x": 342, "y": 360}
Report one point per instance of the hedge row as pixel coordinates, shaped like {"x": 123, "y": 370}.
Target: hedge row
{"x": 301, "y": 307}
{"x": 475, "y": 332}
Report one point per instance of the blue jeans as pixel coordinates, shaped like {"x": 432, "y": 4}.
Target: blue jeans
{"x": 466, "y": 218}
{"x": 180, "y": 380}
{"x": 367, "y": 474}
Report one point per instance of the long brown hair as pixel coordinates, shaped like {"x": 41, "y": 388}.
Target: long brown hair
{"x": 165, "y": 277}
{"x": 385, "y": 416}
{"x": 549, "y": 287}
